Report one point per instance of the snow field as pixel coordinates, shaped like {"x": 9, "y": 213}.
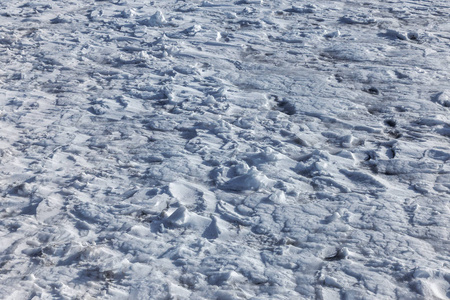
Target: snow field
{"x": 224, "y": 150}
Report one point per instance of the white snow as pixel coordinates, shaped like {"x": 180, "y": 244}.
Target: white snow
{"x": 224, "y": 149}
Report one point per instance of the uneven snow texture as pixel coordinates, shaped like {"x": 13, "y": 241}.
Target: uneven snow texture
{"x": 224, "y": 149}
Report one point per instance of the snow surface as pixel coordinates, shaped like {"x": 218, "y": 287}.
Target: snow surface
{"x": 218, "y": 149}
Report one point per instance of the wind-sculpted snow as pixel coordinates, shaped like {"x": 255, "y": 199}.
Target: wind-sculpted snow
{"x": 224, "y": 149}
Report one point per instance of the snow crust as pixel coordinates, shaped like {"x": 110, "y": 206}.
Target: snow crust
{"x": 224, "y": 149}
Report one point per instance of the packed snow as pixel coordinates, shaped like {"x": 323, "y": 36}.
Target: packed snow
{"x": 222, "y": 149}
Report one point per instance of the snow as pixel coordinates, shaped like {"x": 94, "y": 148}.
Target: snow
{"x": 224, "y": 149}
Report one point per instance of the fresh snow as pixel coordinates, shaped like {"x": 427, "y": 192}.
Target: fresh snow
{"x": 224, "y": 149}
